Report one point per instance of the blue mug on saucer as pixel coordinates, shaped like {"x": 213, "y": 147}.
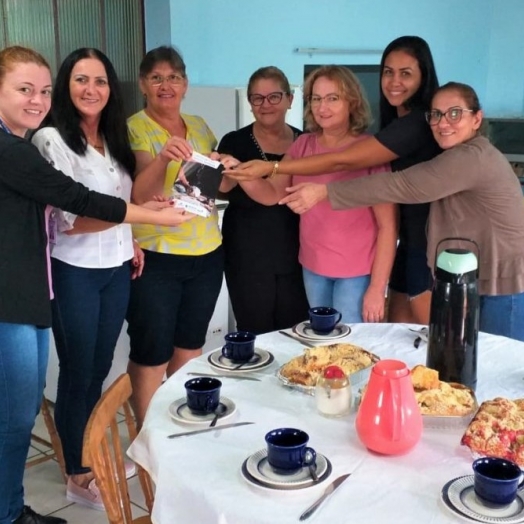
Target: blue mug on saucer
{"x": 324, "y": 319}
{"x": 496, "y": 480}
{"x": 203, "y": 395}
{"x": 287, "y": 451}
{"x": 240, "y": 346}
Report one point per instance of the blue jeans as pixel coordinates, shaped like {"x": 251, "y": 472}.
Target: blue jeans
{"x": 88, "y": 314}
{"x": 503, "y": 315}
{"x": 23, "y": 361}
{"x": 344, "y": 294}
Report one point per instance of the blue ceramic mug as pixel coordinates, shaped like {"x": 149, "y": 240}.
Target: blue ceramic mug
{"x": 203, "y": 394}
{"x": 496, "y": 480}
{"x": 287, "y": 451}
{"x": 240, "y": 346}
{"x": 324, "y": 319}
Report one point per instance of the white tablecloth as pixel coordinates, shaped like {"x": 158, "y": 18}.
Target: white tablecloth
{"x": 198, "y": 479}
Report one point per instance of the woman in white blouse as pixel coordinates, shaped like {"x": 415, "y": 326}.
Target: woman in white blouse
{"x": 85, "y": 136}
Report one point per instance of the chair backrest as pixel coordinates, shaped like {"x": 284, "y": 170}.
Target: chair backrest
{"x": 102, "y": 452}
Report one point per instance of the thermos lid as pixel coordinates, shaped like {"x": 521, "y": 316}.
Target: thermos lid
{"x": 457, "y": 261}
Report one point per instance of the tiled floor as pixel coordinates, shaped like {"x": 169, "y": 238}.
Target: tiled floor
{"x": 45, "y": 489}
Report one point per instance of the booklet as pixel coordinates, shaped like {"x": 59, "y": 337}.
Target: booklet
{"x": 197, "y": 184}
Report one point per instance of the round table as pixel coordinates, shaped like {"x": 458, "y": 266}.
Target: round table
{"x": 198, "y": 478}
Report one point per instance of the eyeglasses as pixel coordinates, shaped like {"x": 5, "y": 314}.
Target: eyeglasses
{"x": 316, "y": 100}
{"x": 273, "y": 98}
{"x": 158, "y": 80}
{"x": 453, "y": 115}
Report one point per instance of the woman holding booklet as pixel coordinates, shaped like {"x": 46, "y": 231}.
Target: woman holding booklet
{"x": 29, "y": 185}
{"x": 172, "y": 303}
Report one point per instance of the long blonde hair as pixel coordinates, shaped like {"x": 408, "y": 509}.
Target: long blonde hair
{"x": 359, "y": 116}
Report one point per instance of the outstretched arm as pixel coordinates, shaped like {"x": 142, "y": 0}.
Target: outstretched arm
{"x": 363, "y": 153}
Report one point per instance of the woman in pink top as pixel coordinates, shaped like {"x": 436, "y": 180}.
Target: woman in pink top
{"x": 346, "y": 255}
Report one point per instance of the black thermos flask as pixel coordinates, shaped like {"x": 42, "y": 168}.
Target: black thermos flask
{"x": 454, "y": 316}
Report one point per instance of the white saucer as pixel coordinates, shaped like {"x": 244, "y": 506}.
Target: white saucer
{"x": 304, "y": 330}
{"x": 218, "y": 361}
{"x": 179, "y": 412}
{"x": 256, "y": 470}
{"x": 459, "y": 496}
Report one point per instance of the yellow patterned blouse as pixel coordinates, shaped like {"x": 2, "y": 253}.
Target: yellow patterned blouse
{"x": 199, "y": 235}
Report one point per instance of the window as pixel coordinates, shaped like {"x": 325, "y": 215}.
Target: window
{"x": 57, "y": 27}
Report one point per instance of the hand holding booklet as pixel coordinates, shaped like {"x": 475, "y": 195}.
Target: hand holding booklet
{"x": 196, "y": 186}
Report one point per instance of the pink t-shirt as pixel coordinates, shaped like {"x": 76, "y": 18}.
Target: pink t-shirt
{"x": 337, "y": 244}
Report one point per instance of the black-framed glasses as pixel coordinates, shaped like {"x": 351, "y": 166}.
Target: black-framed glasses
{"x": 158, "y": 80}
{"x": 453, "y": 115}
{"x": 273, "y": 98}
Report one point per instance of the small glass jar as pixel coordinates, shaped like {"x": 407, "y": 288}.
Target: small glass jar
{"x": 333, "y": 396}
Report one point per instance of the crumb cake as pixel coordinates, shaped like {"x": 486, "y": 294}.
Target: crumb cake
{"x": 308, "y": 367}
{"x": 497, "y": 430}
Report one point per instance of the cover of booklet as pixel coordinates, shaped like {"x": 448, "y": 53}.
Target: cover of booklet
{"x": 196, "y": 187}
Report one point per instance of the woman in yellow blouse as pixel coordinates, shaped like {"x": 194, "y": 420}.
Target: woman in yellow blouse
{"x": 172, "y": 303}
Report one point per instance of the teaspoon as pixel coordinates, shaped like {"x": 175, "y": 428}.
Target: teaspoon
{"x": 220, "y": 410}
{"x": 252, "y": 360}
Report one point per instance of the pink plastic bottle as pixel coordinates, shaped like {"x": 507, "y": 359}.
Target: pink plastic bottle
{"x": 389, "y": 419}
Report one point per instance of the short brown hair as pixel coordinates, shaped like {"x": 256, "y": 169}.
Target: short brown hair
{"x": 470, "y": 97}
{"x": 13, "y": 55}
{"x": 162, "y": 54}
{"x": 465, "y": 91}
{"x": 350, "y": 88}
{"x": 269, "y": 73}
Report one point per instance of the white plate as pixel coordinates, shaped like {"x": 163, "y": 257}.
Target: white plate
{"x": 304, "y": 330}
{"x": 179, "y": 412}
{"x": 256, "y": 470}
{"x": 218, "y": 361}
{"x": 459, "y": 496}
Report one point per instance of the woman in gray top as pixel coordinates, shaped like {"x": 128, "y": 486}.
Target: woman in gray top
{"x": 474, "y": 194}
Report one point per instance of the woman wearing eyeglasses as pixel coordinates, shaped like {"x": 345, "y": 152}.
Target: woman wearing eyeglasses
{"x": 172, "y": 303}
{"x": 261, "y": 242}
{"x": 346, "y": 256}
{"x": 408, "y": 80}
{"x": 474, "y": 194}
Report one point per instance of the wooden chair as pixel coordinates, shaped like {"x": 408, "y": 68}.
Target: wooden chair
{"x": 55, "y": 443}
{"x": 102, "y": 452}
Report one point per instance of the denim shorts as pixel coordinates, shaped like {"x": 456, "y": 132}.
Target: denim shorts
{"x": 172, "y": 303}
{"x": 410, "y": 274}
{"x": 503, "y": 315}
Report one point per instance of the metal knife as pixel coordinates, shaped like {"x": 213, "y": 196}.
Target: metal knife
{"x": 308, "y": 344}
{"x": 241, "y": 377}
{"x": 225, "y": 426}
{"x": 328, "y": 491}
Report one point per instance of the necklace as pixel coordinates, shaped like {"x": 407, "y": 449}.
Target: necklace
{"x": 255, "y": 141}
{"x": 95, "y": 143}
{"x": 263, "y": 156}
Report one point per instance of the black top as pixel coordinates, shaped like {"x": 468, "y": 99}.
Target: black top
{"x": 27, "y": 184}
{"x": 257, "y": 238}
{"x": 410, "y": 138}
